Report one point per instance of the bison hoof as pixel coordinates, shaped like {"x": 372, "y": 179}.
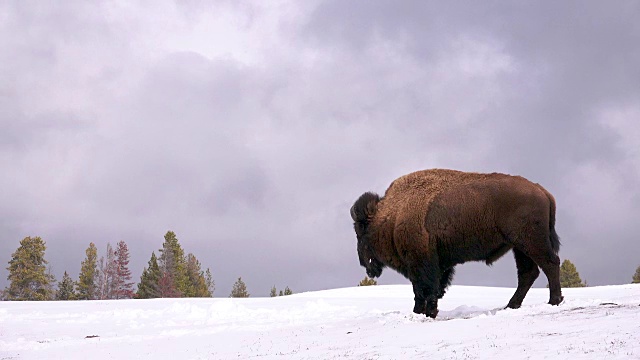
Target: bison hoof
{"x": 513, "y": 306}
{"x": 426, "y": 308}
{"x": 556, "y": 300}
{"x": 432, "y": 313}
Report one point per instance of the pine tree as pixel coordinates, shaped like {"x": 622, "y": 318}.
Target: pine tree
{"x": 50, "y": 287}
{"x": 87, "y": 289}
{"x": 167, "y": 286}
{"x": 239, "y": 289}
{"x": 66, "y": 289}
{"x": 280, "y": 294}
{"x": 106, "y": 275}
{"x": 172, "y": 260}
{"x": 196, "y": 280}
{"x": 149, "y": 287}
{"x": 28, "y": 275}
{"x": 123, "y": 286}
{"x": 367, "y": 282}
{"x": 287, "y": 291}
{"x": 636, "y": 276}
{"x": 208, "y": 278}
{"x": 569, "y": 276}
{"x": 273, "y": 292}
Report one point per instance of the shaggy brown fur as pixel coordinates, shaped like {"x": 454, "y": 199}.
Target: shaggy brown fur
{"x": 431, "y": 220}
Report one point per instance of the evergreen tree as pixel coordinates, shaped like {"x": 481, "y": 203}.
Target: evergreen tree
{"x": 280, "y": 294}
{"x": 106, "y": 275}
{"x": 287, "y": 291}
{"x": 87, "y": 289}
{"x": 367, "y": 282}
{"x": 239, "y": 289}
{"x": 167, "y": 286}
{"x": 66, "y": 289}
{"x": 273, "y": 292}
{"x": 149, "y": 288}
{"x": 28, "y": 276}
{"x": 172, "y": 260}
{"x": 122, "y": 284}
{"x": 196, "y": 280}
{"x": 569, "y": 276}
{"x": 208, "y": 278}
{"x": 636, "y": 276}
{"x": 51, "y": 286}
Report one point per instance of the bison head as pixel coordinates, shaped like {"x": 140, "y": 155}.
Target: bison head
{"x": 362, "y": 213}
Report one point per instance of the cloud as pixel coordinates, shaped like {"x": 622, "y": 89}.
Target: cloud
{"x": 249, "y": 129}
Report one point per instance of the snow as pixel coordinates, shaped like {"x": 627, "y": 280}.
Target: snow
{"x": 372, "y": 322}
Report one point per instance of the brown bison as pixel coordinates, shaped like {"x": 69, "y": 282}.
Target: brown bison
{"x": 432, "y": 220}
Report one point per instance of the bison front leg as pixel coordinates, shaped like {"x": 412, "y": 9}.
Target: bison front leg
{"x": 420, "y": 306}
{"x": 426, "y": 288}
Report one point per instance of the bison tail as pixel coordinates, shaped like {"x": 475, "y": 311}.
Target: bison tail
{"x": 555, "y": 239}
{"x": 553, "y": 236}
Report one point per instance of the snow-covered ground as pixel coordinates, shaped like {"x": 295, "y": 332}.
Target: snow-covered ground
{"x": 373, "y": 322}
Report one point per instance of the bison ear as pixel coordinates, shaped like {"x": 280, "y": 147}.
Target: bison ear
{"x": 365, "y": 207}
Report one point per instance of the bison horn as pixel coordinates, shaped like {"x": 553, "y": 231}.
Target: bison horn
{"x": 353, "y": 213}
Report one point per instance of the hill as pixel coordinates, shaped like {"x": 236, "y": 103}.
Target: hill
{"x": 372, "y": 322}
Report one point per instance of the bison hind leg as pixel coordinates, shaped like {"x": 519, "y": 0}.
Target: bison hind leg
{"x": 549, "y": 262}
{"x": 527, "y": 273}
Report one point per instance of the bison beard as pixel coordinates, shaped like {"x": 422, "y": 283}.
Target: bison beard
{"x": 432, "y": 220}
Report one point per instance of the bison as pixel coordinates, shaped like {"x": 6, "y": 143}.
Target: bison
{"x": 430, "y": 221}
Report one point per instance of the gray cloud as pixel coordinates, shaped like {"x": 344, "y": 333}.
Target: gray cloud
{"x": 249, "y": 130}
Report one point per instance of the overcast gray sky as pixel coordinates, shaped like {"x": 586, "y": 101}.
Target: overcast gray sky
{"x": 250, "y": 128}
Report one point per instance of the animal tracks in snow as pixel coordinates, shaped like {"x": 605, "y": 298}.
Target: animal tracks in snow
{"x": 461, "y": 312}
{"x": 465, "y": 312}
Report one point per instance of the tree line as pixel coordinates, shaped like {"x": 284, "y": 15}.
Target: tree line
{"x": 172, "y": 274}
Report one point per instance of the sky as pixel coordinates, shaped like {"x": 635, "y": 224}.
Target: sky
{"x": 250, "y": 128}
